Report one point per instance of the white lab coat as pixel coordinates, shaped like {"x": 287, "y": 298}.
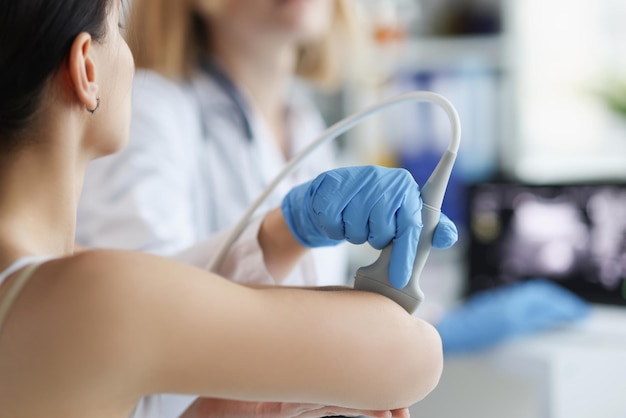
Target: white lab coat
{"x": 189, "y": 171}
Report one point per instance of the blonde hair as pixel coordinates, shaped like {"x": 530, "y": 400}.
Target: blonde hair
{"x": 167, "y": 36}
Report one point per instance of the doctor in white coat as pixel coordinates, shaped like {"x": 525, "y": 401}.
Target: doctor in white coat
{"x": 216, "y": 114}
{"x": 219, "y": 106}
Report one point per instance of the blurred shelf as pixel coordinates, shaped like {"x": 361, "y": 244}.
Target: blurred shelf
{"x": 538, "y": 169}
{"x": 451, "y": 53}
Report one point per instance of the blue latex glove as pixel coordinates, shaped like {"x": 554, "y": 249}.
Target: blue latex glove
{"x": 521, "y": 308}
{"x": 364, "y": 204}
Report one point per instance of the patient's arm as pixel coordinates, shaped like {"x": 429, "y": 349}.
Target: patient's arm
{"x": 144, "y": 324}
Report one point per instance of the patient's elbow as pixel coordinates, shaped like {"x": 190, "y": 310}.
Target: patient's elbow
{"x": 424, "y": 364}
{"x": 412, "y": 367}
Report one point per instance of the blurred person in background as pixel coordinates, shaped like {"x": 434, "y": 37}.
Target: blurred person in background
{"x": 220, "y": 104}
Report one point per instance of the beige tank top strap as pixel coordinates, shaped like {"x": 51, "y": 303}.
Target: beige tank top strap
{"x": 14, "y": 290}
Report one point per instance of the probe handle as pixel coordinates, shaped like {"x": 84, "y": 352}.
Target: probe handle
{"x": 375, "y": 277}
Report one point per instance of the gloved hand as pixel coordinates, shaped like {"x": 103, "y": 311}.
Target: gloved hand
{"x": 359, "y": 204}
{"x": 521, "y": 308}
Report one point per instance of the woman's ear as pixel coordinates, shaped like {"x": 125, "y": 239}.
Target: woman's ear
{"x": 82, "y": 71}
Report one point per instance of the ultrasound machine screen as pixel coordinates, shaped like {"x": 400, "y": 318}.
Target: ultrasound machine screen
{"x": 574, "y": 235}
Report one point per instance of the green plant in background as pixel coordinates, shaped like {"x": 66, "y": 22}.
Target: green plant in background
{"x": 614, "y": 96}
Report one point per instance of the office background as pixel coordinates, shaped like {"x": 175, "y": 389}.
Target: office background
{"x": 541, "y": 91}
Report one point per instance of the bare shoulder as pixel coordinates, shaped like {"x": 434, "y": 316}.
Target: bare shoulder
{"x": 96, "y": 313}
{"x": 90, "y": 276}
{"x": 110, "y": 283}
{"x": 100, "y": 263}
{"x": 100, "y": 313}
{"x": 115, "y": 268}
{"x": 96, "y": 288}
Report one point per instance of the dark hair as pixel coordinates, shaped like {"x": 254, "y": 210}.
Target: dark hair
{"x": 35, "y": 38}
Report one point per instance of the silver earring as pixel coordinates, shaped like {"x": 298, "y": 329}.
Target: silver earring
{"x": 92, "y": 111}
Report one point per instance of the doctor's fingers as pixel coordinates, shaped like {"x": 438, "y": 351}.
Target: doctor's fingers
{"x": 446, "y": 233}
{"x": 370, "y": 216}
{"x": 408, "y": 230}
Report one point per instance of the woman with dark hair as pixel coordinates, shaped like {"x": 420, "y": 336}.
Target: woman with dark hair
{"x": 89, "y": 334}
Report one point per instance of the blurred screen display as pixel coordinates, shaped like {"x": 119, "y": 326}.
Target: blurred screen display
{"x": 572, "y": 234}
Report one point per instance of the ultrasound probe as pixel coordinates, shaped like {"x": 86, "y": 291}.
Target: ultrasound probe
{"x": 375, "y": 277}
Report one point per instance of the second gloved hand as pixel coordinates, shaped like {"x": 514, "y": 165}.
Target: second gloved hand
{"x": 364, "y": 204}
{"x": 495, "y": 315}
